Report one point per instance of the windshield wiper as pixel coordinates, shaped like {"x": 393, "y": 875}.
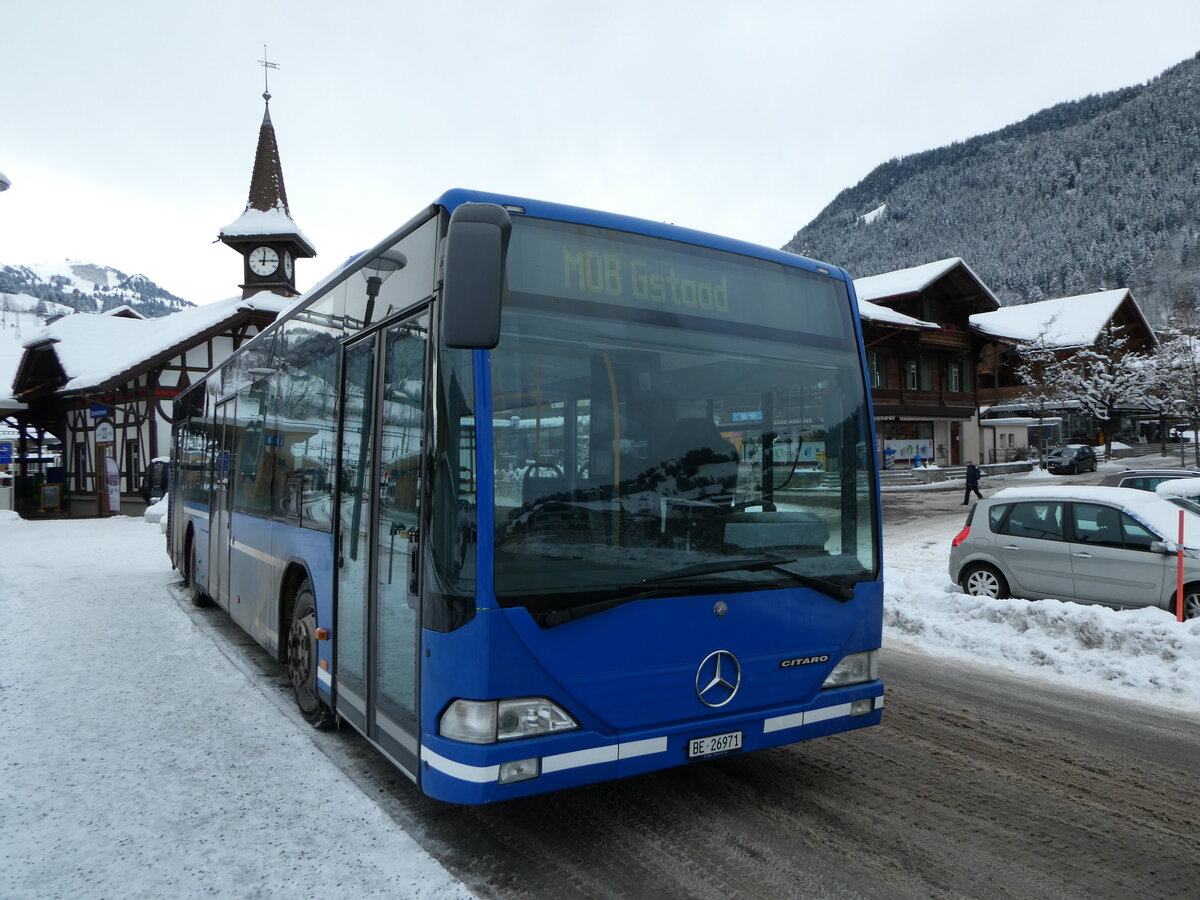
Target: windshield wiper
{"x": 548, "y": 618}
{"x": 724, "y": 565}
{"x": 775, "y": 563}
{"x": 551, "y": 617}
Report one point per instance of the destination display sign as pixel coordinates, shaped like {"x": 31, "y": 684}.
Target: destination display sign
{"x": 633, "y": 271}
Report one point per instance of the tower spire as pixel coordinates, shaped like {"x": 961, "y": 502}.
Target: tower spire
{"x": 265, "y": 234}
{"x": 267, "y": 191}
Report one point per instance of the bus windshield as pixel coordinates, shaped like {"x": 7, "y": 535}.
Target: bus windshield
{"x": 674, "y": 417}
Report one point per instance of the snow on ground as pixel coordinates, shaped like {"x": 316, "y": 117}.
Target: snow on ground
{"x": 138, "y": 762}
{"x": 1143, "y": 655}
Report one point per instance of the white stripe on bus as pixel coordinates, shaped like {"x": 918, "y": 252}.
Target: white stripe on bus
{"x": 810, "y": 717}
{"x": 558, "y": 763}
{"x": 575, "y": 759}
{"x": 254, "y": 553}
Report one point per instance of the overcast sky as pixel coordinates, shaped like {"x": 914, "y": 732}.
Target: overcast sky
{"x": 130, "y": 127}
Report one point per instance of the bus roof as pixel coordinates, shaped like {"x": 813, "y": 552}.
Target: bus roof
{"x": 455, "y": 197}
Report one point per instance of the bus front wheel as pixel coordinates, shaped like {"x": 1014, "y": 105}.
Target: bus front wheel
{"x": 302, "y": 659}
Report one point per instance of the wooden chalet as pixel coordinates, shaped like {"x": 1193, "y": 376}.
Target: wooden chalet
{"x": 1063, "y": 325}
{"x": 921, "y": 357}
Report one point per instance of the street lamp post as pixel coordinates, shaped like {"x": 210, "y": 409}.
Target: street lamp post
{"x": 1179, "y": 407}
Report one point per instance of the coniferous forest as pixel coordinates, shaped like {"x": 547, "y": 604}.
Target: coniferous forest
{"x": 1089, "y": 195}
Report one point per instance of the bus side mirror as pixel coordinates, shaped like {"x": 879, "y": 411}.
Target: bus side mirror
{"x": 474, "y": 276}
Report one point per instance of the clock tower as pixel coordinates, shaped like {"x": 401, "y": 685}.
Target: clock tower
{"x": 265, "y": 234}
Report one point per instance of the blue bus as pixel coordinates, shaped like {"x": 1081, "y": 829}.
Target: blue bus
{"x": 535, "y": 496}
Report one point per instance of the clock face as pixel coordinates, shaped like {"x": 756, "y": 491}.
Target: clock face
{"x": 287, "y": 264}
{"x": 263, "y": 260}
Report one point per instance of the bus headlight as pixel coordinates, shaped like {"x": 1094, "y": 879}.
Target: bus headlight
{"x": 488, "y": 721}
{"x": 854, "y": 669}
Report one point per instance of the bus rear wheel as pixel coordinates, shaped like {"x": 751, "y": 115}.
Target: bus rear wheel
{"x": 302, "y": 659}
{"x": 195, "y": 592}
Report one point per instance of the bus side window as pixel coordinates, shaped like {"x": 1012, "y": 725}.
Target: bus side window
{"x": 302, "y": 420}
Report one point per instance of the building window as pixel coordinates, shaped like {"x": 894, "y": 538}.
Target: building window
{"x": 133, "y": 465}
{"x": 81, "y": 466}
{"x": 910, "y": 374}
{"x": 926, "y": 373}
{"x": 954, "y": 377}
{"x": 877, "y": 369}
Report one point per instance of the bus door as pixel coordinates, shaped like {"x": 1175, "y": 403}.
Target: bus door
{"x": 224, "y": 428}
{"x": 378, "y": 617}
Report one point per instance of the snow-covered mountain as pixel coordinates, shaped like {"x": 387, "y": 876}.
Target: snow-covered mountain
{"x": 87, "y": 287}
{"x": 1085, "y": 196}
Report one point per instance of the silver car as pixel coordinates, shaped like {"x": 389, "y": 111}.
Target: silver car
{"x": 1114, "y": 546}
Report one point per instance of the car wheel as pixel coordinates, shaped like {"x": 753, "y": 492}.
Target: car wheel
{"x": 302, "y": 660}
{"x": 1191, "y": 602}
{"x": 983, "y": 581}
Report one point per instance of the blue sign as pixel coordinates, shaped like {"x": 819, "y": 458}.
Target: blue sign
{"x": 752, "y": 416}
{"x": 6, "y": 453}
{"x": 99, "y": 411}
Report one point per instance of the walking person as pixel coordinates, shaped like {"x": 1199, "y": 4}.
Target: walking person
{"x": 972, "y": 483}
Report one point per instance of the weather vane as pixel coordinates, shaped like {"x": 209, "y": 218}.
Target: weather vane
{"x": 266, "y": 73}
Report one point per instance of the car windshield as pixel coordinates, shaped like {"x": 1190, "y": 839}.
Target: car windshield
{"x": 663, "y": 413}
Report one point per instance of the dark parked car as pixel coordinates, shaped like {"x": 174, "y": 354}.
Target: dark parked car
{"x": 1071, "y": 460}
{"x": 1146, "y": 479}
{"x": 154, "y": 481}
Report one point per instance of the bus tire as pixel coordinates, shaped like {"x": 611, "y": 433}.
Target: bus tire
{"x": 195, "y": 592}
{"x": 302, "y": 659}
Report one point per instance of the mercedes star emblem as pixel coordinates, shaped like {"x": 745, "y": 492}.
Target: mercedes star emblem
{"x": 718, "y": 678}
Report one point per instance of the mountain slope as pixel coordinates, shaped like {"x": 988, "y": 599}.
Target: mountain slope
{"x": 87, "y": 287}
{"x": 1098, "y": 193}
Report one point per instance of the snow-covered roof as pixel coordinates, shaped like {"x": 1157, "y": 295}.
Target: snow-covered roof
{"x": 1010, "y": 421}
{"x": 125, "y": 311}
{"x": 256, "y": 222}
{"x": 913, "y": 280}
{"x": 873, "y": 312}
{"x": 93, "y": 350}
{"x": 10, "y": 357}
{"x": 1064, "y": 322}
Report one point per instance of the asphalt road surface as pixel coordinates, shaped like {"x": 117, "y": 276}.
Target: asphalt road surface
{"x": 978, "y": 784}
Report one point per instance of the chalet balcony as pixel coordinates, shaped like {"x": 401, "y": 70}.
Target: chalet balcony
{"x": 950, "y": 337}
{"x": 893, "y": 402}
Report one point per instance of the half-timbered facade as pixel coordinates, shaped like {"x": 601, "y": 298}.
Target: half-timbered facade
{"x": 105, "y": 384}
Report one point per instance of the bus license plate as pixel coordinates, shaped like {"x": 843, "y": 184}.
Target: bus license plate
{"x": 717, "y": 743}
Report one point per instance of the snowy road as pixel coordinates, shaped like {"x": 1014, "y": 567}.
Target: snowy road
{"x": 980, "y": 784}
{"x": 151, "y": 750}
